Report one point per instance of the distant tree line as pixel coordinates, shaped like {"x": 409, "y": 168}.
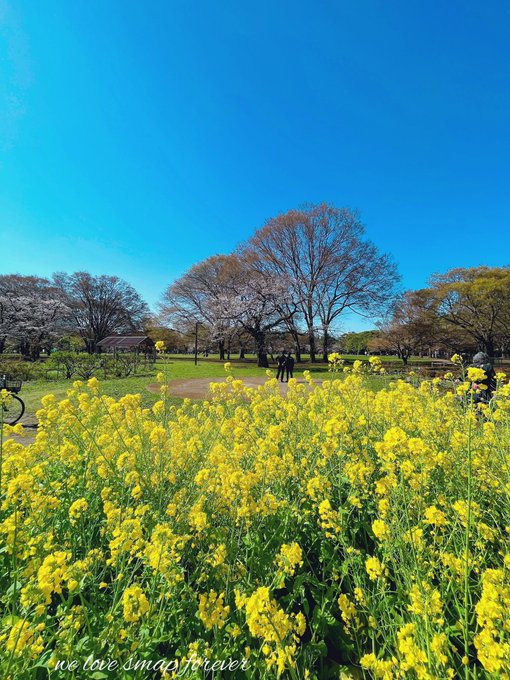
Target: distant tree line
{"x": 288, "y": 287}
{"x": 464, "y": 310}
{"x": 37, "y": 314}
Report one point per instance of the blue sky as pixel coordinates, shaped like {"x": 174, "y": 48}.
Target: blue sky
{"x": 137, "y": 138}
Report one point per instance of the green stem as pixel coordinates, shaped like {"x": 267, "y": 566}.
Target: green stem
{"x": 466, "y": 549}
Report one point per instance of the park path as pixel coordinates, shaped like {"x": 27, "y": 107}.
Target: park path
{"x": 198, "y": 388}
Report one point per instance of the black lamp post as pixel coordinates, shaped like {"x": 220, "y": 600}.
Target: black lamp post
{"x": 196, "y": 343}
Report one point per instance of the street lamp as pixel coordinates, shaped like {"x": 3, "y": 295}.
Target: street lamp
{"x": 196, "y": 343}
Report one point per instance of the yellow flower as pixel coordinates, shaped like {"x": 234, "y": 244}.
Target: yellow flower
{"x": 435, "y": 516}
{"x": 335, "y": 361}
{"x": 413, "y": 656}
{"x": 425, "y": 600}
{"x": 348, "y": 612}
{"x": 279, "y": 631}
{"x": 329, "y": 519}
{"x": 439, "y": 646}
{"x": 219, "y": 556}
{"x": 463, "y": 510}
{"x": 198, "y": 519}
{"x": 211, "y": 610}
{"x": 381, "y": 668}
{"x": 21, "y": 637}
{"x": 51, "y": 574}
{"x": 93, "y": 384}
{"x": 78, "y": 508}
{"x": 192, "y": 502}
{"x": 355, "y": 501}
{"x": 380, "y": 529}
{"x": 289, "y": 557}
{"x": 136, "y": 491}
{"x": 135, "y": 604}
{"x": 374, "y": 568}
{"x": 463, "y": 388}
{"x": 477, "y": 375}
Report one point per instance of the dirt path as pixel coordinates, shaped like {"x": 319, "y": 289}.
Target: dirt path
{"x": 198, "y": 388}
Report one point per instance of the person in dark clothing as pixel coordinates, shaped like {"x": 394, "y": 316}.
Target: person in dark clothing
{"x": 482, "y": 360}
{"x": 289, "y": 366}
{"x": 281, "y": 361}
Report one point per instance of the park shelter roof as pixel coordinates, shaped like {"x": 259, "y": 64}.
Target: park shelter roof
{"x": 124, "y": 341}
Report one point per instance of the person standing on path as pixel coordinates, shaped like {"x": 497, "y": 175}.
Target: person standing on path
{"x": 282, "y": 361}
{"x": 289, "y": 366}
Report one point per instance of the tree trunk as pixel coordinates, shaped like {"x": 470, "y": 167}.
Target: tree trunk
{"x": 221, "y": 349}
{"x": 297, "y": 349}
{"x": 297, "y": 346}
{"x": 262, "y": 361}
{"x": 90, "y": 345}
{"x": 35, "y": 353}
{"x": 2, "y": 343}
{"x": 488, "y": 347}
{"x": 311, "y": 335}
{"x": 311, "y": 341}
{"x": 325, "y": 345}
{"x": 242, "y": 352}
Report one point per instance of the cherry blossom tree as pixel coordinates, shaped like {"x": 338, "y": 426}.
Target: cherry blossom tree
{"x": 199, "y": 297}
{"x": 33, "y": 313}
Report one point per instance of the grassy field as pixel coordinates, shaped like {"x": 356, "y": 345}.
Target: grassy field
{"x": 175, "y": 368}
{"x": 34, "y": 390}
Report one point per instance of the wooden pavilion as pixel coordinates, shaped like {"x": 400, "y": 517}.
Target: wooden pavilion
{"x": 138, "y": 344}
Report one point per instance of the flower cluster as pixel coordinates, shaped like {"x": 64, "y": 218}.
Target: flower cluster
{"x": 332, "y": 527}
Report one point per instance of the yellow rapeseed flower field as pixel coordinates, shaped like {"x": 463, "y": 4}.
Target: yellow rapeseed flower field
{"x": 332, "y": 530}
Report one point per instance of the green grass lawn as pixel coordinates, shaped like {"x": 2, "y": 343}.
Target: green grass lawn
{"x": 33, "y": 390}
{"x": 174, "y": 368}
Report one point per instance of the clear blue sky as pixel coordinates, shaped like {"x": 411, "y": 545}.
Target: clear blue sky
{"x": 137, "y": 138}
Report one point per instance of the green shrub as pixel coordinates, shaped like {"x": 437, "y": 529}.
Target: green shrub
{"x": 108, "y": 365}
{"x": 17, "y": 369}
{"x": 69, "y": 364}
{"x": 86, "y": 365}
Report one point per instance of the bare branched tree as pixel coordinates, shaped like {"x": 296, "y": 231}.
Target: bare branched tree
{"x": 330, "y": 266}
{"x": 410, "y": 326}
{"x": 101, "y": 305}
